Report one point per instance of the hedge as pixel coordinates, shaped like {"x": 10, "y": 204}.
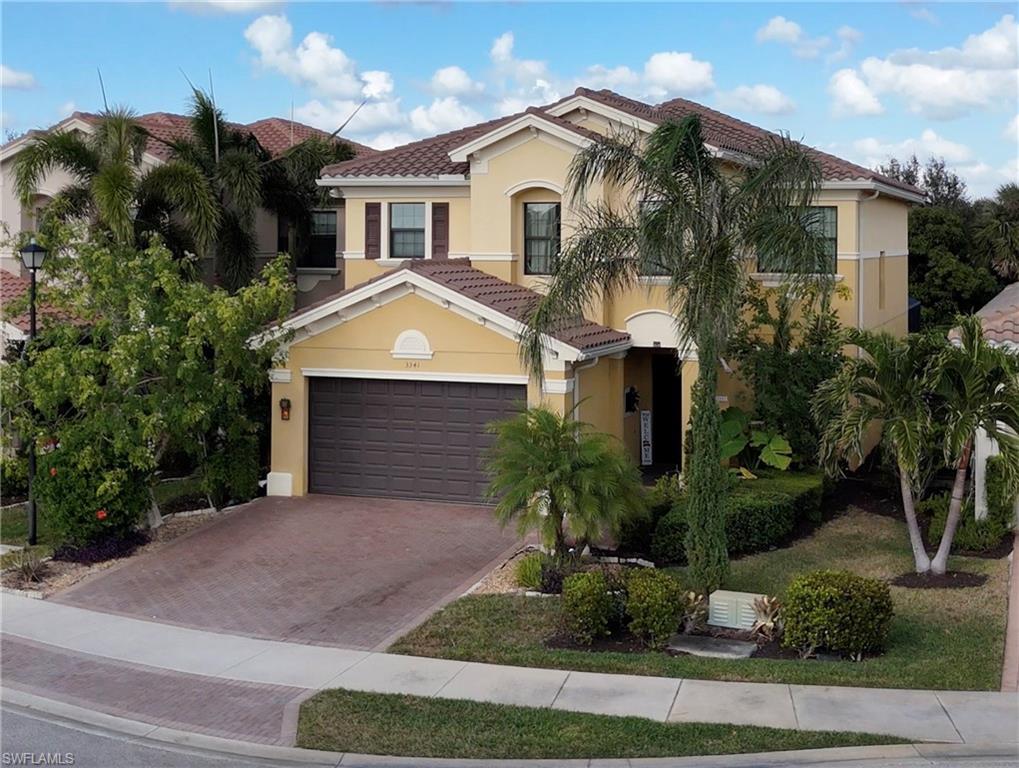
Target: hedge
{"x": 1000, "y": 506}
{"x": 587, "y": 606}
{"x": 837, "y": 611}
{"x": 760, "y": 514}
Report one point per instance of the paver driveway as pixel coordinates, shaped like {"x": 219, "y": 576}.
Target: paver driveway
{"x": 328, "y": 570}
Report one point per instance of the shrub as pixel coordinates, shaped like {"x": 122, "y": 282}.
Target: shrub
{"x": 13, "y": 475}
{"x": 755, "y": 523}
{"x": 88, "y": 505}
{"x": 694, "y": 612}
{"x": 838, "y": 611}
{"x": 552, "y": 576}
{"x": 636, "y": 532}
{"x": 972, "y": 535}
{"x": 668, "y": 544}
{"x": 231, "y": 471}
{"x": 28, "y": 565}
{"x": 806, "y": 489}
{"x": 1000, "y": 505}
{"x": 588, "y": 606}
{"x": 655, "y": 604}
{"x": 528, "y": 570}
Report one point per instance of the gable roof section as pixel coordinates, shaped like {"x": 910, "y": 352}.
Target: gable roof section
{"x": 432, "y": 157}
{"x": 275, "y": 134}
{"x": 456, "y": 282}
{"x": 534, "y": 119}
{"x": 14, "y": 288}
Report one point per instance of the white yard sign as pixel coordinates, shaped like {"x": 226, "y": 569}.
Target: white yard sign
{"x": 645, "y": 439}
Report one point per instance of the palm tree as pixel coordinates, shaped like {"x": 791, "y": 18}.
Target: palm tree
{"x": 997, "y": 230}
{"x": 203, "y": 199}
{"x": 553, "y": 475}
{"x": 242, "y": 176}
{"x": 978, "y": 389}
{"x": 697, "y": 224}
{"x": 109, "y": 182}
{"x": 889, "y": 387}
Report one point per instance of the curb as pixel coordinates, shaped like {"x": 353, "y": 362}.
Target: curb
{"x": 75, "y": 716}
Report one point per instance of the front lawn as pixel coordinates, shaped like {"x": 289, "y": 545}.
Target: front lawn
{"x": 942, "y": 639}
{"x": 387, "y": 724}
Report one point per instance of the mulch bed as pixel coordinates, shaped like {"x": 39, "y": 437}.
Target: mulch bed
{"x": 186, "y": 503}
{"x": 950, "y": 580}
{"x": 8, "y": 501}
{"x": 101, "y": 551}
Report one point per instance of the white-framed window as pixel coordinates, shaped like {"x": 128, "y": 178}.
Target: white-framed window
{"x": 541, "y": 237}
{"x": 823, "y": 221}
{"x": 406, "y": 230}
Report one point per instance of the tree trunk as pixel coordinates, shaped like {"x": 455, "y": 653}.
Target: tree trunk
{"x": 940, "y": 562}
{"x": 920, "y": 558}
{"x": 154, "y": 518}
{"x": 706, "y": 549}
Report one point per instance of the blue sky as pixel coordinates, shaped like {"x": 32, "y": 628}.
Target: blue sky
{"x": 861, "y": 80}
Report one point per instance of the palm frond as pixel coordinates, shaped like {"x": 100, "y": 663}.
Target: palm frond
{"x": 181, "y": 187}
{"x": 66, "y": 150}
{"x": 113, "y": 190}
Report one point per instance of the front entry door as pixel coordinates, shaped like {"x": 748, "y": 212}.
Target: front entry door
{"x": 666, "y": 422}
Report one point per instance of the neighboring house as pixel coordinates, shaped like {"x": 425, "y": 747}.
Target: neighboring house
{"x": 390, "y": 383}
{"x": 319, "y": 272}
{"x": 1000, "y": 319}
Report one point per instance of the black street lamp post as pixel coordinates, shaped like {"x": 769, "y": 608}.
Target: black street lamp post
{"x": 32, "y": 256}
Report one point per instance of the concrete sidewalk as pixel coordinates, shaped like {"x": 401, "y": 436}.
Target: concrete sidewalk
{"x": 942, "y": 716}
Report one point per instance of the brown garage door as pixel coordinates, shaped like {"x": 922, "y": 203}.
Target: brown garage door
{"x": 409, "y": 439}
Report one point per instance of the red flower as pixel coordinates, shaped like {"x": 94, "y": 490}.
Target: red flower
{"x": 53, "y": 471}
{"x": 101, "y": 514}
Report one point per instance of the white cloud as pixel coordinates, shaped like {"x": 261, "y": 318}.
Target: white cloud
{"x": 983, "y": 179}
{"x": 982, "y": 73}
{"x": 614, "y": 78}
{"x": 442, "y": 115}
{"x": 66, "y": 109}
{"x": 765, "y": 99}
{"x": 373, "y": 117}
{"x": 928, "y": 144}
{"x": 16, "y": 79}
{"x": 672, "y": 73}
{"x": 848, "y": 38}
{"x": 924, "y": 14}
{"x": 851, "y": 95}
{"x": 454, "y": 81}
{"x": 1012, "y": 129}
{"x": 224, "y": 6}
{"x": 377, "y": 84}
{"x": 314, "y": 62}
{"x": 781, "y": 30}
{"x": 525, "y": 72}
{"x": 389, "y": 139}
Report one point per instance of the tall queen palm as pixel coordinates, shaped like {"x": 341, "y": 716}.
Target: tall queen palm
{"x": 698, "y": 224}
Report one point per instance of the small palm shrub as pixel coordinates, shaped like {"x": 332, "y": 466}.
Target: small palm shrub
{"x": 767, "y": 618}
{"x": 655, "y": 604}
{"x": 29, "y": 566}
{"x": 554, "y": 475}
{"x": 588, "y": 606}
{"x": 695, "y": 611}
{"x": 837, "y": 611}
{"x": 528, "y": 570}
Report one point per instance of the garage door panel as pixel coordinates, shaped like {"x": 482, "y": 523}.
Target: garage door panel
{"x": 413, "y": 439}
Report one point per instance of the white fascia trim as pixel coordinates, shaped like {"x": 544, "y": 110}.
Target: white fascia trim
{"x": 533, "y": 184}
{"x": 557, "y": 386}
{"x": 353, "y": 254}
{"x": 406, "y": 277}
{"x": 416, "y": 375}
{"x": 875, "y": 186}
{"x": 605, "y": 350}
{"x": 462, "y": 153}
{"x": 67, "y": 124}
{"x": 864, "y": 255}
{"x": 437, "y": 180}
{"x": 776, "y": 279}
{"x": 281, "y": 376}
{"x": 584, "y": 102}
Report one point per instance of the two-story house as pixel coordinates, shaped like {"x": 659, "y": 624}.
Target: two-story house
{"x": 387, "y": 386}
{"x": 318, "y": 268}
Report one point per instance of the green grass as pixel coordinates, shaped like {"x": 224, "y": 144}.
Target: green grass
{"x": 941, "y": 639}
{"x": 388, "y": 724}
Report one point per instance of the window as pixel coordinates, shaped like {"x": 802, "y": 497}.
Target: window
{"x": 648, "y": 210}
{"x": 822, "y": 221}
{"x": 407, "y": 230}
{"x": 322, "y": 242}
{"x": 541, "y": 237}
{"x": 318, "y": 250}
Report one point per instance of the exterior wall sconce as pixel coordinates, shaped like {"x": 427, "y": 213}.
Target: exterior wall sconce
{"x": 285, "y": 409}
